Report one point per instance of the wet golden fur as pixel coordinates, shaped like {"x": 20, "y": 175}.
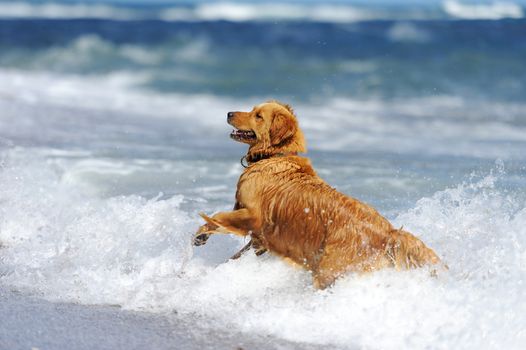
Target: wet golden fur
{"x": 288, "y": 210}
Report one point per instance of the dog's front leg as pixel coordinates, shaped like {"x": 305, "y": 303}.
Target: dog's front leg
{"x": 240, "y": 222}
{"x": 255, "y": 243}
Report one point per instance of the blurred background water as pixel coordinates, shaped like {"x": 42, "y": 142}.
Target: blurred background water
{"x": 113, "y": 136}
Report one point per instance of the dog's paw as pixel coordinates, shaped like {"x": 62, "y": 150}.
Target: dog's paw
{"x": 260, "y": 251}
{"x": 202, "y": 234}
{"x": 200, "y": 239}
{"x": 204, "y": 231}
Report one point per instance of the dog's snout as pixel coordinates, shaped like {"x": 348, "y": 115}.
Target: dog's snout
{"x": 229, "y": 116}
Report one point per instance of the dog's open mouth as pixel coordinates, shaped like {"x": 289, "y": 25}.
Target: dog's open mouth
{"x": 243, "y": 135}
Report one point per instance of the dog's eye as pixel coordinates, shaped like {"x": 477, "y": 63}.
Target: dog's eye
{"x": 258, "y": 116}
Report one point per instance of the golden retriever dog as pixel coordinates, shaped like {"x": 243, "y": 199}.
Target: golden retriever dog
{"x": 287, "y": 209}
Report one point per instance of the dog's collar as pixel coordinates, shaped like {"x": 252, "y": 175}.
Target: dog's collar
{"x": 245, "y": 163}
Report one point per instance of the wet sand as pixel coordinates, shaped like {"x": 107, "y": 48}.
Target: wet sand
{"x": 28, "y": 322}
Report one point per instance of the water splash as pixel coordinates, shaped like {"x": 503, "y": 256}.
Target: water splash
{"x": 135, "y": 252}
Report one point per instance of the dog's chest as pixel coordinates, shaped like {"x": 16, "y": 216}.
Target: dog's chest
{"x": 262, "y": 177}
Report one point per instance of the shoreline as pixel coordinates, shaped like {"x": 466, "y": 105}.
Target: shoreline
{"x": 29, "y": 322}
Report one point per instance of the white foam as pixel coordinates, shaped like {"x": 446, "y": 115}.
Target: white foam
{"x": 241, "y": 12}
{"x": 259, "y": 11}
{"x": 230, "y": 11}
{"x": 71, "y": 246}
{"x": 113, "y": 92}
{"x": 495, "y": 10}
{"x": 50, "y": 226}
{"x": 21, "y": 9}
{"x": 438, "y": 125}
{"x": 210, "y": 11}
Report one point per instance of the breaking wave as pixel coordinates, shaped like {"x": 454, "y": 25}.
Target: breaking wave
{"x": 229, "y": 11}
{"x": 447, "y": 125}
{"x": 135, "y": 252}
{"x": 242, "y": 12}
{"x": 64, "y": 11}
{"x": 493, "y": 11}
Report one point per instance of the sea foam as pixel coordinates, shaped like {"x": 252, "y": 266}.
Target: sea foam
{"x": 492, "y": 11}
{"x": 207, "y": 11}
{"x": 67, "y": 245}
{"x": 18, "y": 9}
{"x": 58, "y": 239}
{"x": 272, "y": 11}
{"x": 445, "y": 124}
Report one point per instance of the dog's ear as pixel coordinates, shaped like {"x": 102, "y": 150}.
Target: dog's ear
{"x": 282, "y": 128}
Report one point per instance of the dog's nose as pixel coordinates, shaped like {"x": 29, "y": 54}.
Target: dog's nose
{"x": 229, "y": 116}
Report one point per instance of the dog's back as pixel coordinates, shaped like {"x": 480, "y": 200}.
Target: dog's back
{"x": 309, "y": 222}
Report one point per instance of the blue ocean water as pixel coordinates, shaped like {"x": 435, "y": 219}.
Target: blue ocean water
{"x": 400, "y": 54}
{"x": 113, "y": 137}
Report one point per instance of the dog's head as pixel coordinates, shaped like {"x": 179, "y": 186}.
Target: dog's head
{"x": 270, "y": 128}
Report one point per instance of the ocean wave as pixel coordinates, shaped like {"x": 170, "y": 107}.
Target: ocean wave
{"x": 155, "y": 229}
{"x": 209, "y": 11}
{"x": 447, "y": 125}
{"x": 494, "y": 11}
{"x": 240, "y": 12}
{"x": 21, "y": 9}
{"x": 200, "y": 12}
{"x": 224, "y": 58}
{"x": 243, "y": 12}
{"x": 118, "y": 92}
{"x": 69, "y": 246}
{"x": 91, "y": 54}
